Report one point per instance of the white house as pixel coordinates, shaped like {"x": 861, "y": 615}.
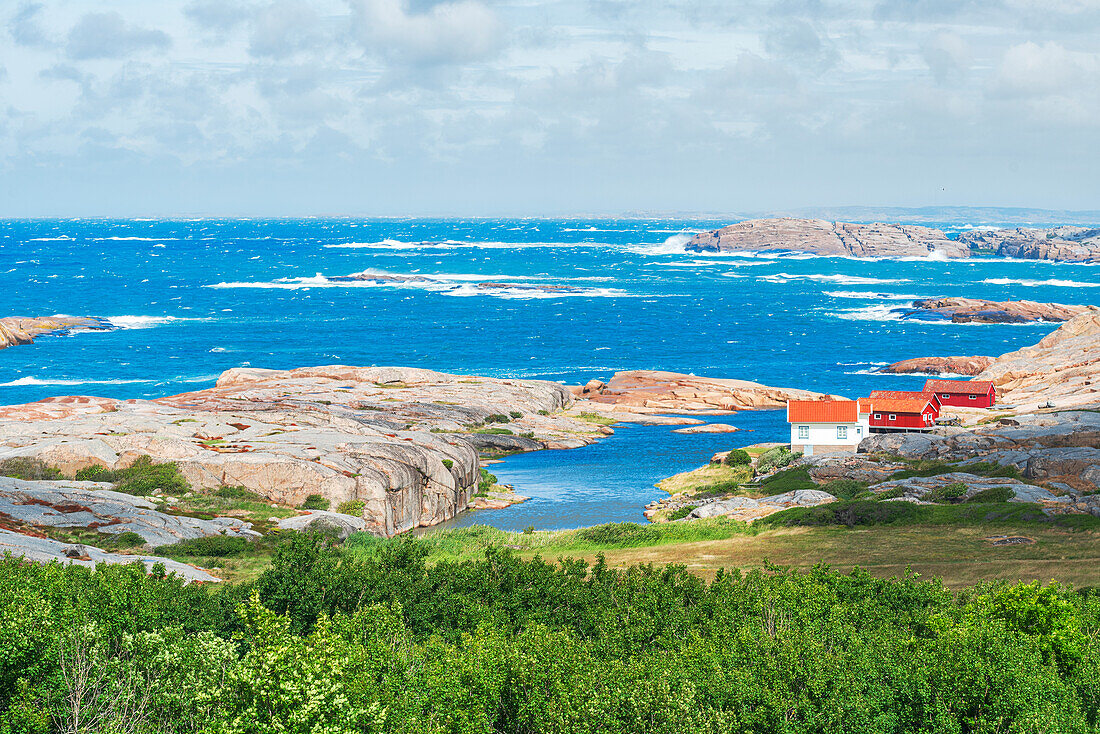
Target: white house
{"x": 823, "y": 426}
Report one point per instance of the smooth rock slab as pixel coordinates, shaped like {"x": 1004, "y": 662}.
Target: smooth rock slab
{"x": 44, "y": 550}
{"x": 68, "y": 504}
{"x": 917, "y": 488}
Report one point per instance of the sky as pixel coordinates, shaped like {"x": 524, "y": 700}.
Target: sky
{"x": 544, "y": 107}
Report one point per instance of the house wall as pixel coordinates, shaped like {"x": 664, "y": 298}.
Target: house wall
{"x": 986, "y": 400}
{"x": 904, "y": 420}
{"x": 822, "y": 436}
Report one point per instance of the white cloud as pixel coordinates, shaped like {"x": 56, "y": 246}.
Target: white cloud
{"x": 946, "y": 54}
{"x": 1034, "y": 70}
{"x": 440, "y": 33}
{"x": 107, "y": 36}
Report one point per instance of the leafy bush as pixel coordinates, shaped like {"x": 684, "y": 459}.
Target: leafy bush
{"x": 352, "y": 507}
{"x": 850, "y": 513}
{"x": 216, "y": 546}
{"x": 544, "y": 412}
{"x": 993, "y": 494}
{"x": 129, "y": 539}
{"x": 25, "y": 467}
{"x": 515, "y": 414}
{"x": 486, "y": 481}
{"x": 315, "y": 502}
{"x": 619, "y": 534}
{"x": 737, "y": 457}
{"x": 141, "y": 478}
{"x": 448, "y": 463}
{"x": 497, "y": 418}
{"x": 90, "y": 473}
{"x": 788, "y": 481}
{"x": 681, "y": 513}
{"x": 776, "y": 458}
{"x": 845, "y": 489}
{"x": 949, "y": 493}
{"x": 237, "y": 492}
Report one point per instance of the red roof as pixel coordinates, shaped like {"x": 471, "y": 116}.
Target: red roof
{"x": 900, "y": 406}
{"x": 822, "y": 411}
{"x": 902, "y": 395}
{"x": 958, "y": 387}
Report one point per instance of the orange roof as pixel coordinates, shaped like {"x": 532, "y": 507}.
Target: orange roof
{"x": 900, "y": 406}
{"x": 966, "y": 387}
{"x": 822, "y": 411}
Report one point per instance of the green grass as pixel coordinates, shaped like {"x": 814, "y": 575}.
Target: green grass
{"x": 875, "y": 512}
{"x": 787, "y": 480}
{"x": 22, "y": 467}
{"x": 932, "y": 468}
{"x": 596, "y": 418}
{"x": 709, "y": 480}
{"x": 141, "y": 478}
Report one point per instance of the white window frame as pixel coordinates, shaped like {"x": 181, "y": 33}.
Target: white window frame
{"x": 893, "y": 416}
{"x": 945, "y": 395}
{"x": 803, "y": 433}
{"x": 842, "y": 433}
{"x": 973, "y": 397}
{"x": 878, "y": 416}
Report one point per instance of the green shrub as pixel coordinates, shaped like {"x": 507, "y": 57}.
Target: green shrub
{"x": 681, "y": 513}
{"x": 237, "y": 492}
{"x": 497, "y": 418}
{"x": 448, "y": 463}
{"x": 216, "y": 546}
{"x": 529, "y": 530}
{"x": 315, "y": 502}
{"x": 141, "y": 478}
{"x": 993, "y": 494}
{"x": 776, "y": 458}
{"x": 25, "y": 467}
{"x": 889, "y": 494}
{"x": 949, "y": 493}
{"x": 129, "y": 539}
{"x": 90, "y": 473}
{"x": 352, "y": 507}
{"x": 619, "y": 534}
{"x": 850, "y": 513}
{"x": 788, "y": 480}
{"x": 737, "y": 457}
{"x": 844, "y": 489}
{"x": 486, "y": 481}
{"x": 515, "y": 414}
{"x": 544, "y": 412}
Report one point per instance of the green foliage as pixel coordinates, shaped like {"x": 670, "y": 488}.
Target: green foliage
{"x": 23, "y": 467}
{"x": 315, "y": 502}
{"x": 236, "y": 492}
{"x": 331, "y": 643}
{"x": 681, "y": 513}
{"x": 515, "y": 414}
{"x": 141, "y": 478}
{"x": 788, "y": 481}
{"x": 211, "y": 546}
{"x": 129, "y": 539}
{"x": 448, "y": 463}
{"x": 618, "y": 535}
{"x": 935, "y": 467}
{"x": 776, "y": 458}
{"x": 993, "y": 494}
{"x": 544, "y": 412}
{"x": 90, "y": 473}
{"x": 352, "y": 507}
{"x": 486, "y": 480}
{"x": 495, "y": 431}
{"x": 850, "y": 513}
{"x": 948, "y": 493}
{"x": 845, "y": 489}
{"x": 497, "y": 418}
{"x": 737, "y": 457}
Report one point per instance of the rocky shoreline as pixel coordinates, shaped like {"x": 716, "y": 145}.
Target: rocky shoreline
{"x": 15, "y": 330}
{"x": 882, "y": 240}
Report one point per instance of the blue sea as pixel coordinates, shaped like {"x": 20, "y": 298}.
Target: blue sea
{"x": 194, "y": 297}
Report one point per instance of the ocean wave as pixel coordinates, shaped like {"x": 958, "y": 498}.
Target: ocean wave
{"x": 131, "y": 239}
{"x": 25, "y": 381}
{"x": 62, "y": 238}
{"x": 534, "y": 292}
{"x": 890, "y": 312}
{"x": 143, "y": 322}
{"x": 673, "y": 245}
{"x": 1051, "y": 282}
{"x": 940, "y": 375}
{"x": 840, "y": 279}
{"x": 871, "y": 295}
{"x": 390, "y": 244}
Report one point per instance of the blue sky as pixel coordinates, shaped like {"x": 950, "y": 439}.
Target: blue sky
{"x": 489, "y": 107}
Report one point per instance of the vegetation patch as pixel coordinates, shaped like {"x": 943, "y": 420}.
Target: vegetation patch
{"x": 211, "y": 546}
{"x": 737, "y": 457}
{"x": 24, "y": 467}
{"x": 316, "y": 502}
{"x": 142, "y": 478}
{"x": 352, "y": 507}
{"x": 709, "y": 480}
{"x": 596, "y": 418}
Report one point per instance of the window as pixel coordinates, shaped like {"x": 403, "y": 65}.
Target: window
{"x": 803, "y": 433}
{"x": 945, "y": 396}
{"x": 842, "y": 433}
{"x": 859, "y": 431}
{"x": 893, "y": 417}
{"x": 878, "y": 416}
{"x": 973, "y": 397}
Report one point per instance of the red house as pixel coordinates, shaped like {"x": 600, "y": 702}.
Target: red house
{"x": 902, "y": 415}
{"x": 964, "y": 393}
{"x": 931, "y": 397}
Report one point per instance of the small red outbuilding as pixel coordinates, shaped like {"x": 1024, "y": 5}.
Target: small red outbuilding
{"x": 902, "y": 415}
{"x": 964, "y": 393}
